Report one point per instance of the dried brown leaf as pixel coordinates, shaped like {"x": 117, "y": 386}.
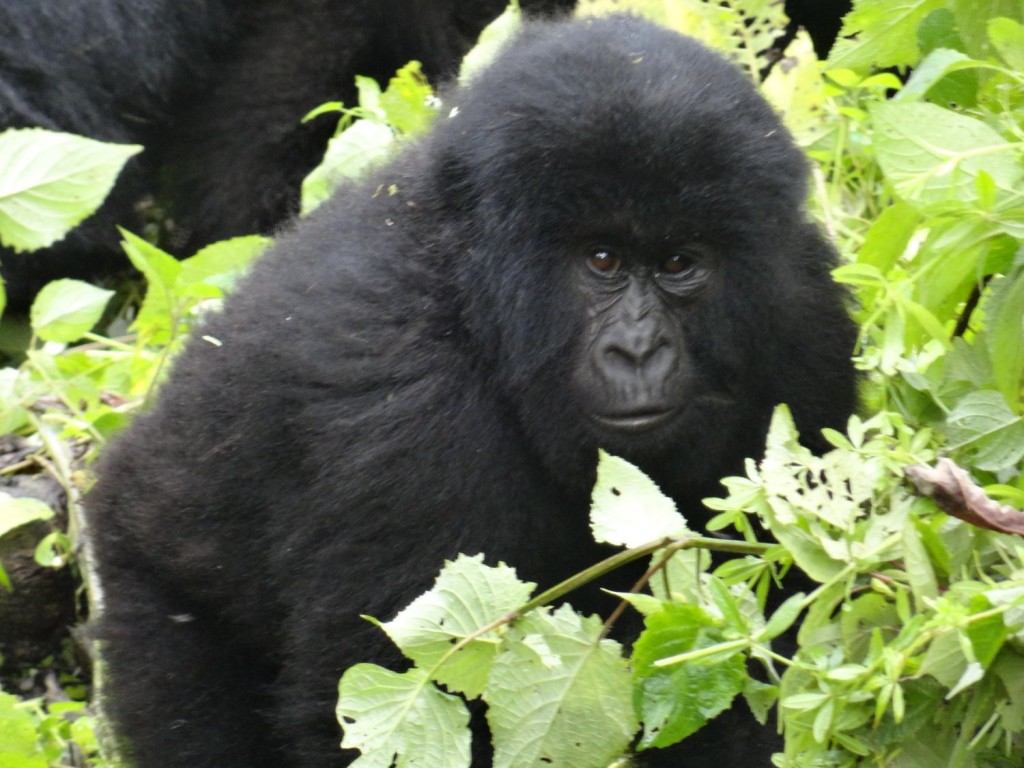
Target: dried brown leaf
{"x": 956, "y": 494}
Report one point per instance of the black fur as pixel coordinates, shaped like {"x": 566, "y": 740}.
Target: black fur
{"x": 390, "y": 387}
{"x": 215, "y": 90}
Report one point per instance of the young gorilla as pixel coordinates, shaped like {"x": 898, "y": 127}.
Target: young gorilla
{"x": 603, "y": 244}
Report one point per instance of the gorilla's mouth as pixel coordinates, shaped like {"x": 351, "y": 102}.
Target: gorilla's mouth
{"x": 634, "y": 421}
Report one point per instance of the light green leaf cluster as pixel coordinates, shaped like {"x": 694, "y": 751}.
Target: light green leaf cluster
{"x": 366, "y": 133}
{"x": 924, "y": 184}
{"x": 907, "y": 649}
{"x": 98, "y": 382}
{"x": 31, "y": 737}
{"x": 557, "y": 692}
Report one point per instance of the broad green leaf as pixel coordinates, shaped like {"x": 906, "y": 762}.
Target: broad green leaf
{"x": 987, "y": 635}
{"x": 1004, "y": 332}
{"x": 952, "y": 259}
{"x": 973, "y": 673}
{"x": 401, "y": 720}
{"x": 17, "y": 511}
{"x": 49, "y": 182}
{"x": 467, "y": 596}
{"x": 1007, "y": 36}
{"x": 559, "y": 696}
{"x": 161, "y": 271}
{"x": 934, "y": 155}
{"x": 880, "y": 33}
{"x": 933, "y": 68}
{"x": 888, "y": 237}
{"x": 349, "y": 155}
{"x": 221, "y": 263}
{"x": 760, "y": 697}
{"x": 66, "y": 309}
{"x": 13, "y": 413}
{"x": 675, "y": 701}
{"x": 983, "y": 421}
{"x": 628, "y": 509}
{"x": 919, "y": 567}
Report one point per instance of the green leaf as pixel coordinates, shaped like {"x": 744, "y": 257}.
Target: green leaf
{"x": 986, "y": 635}
{"x": 17, "y": 511}
{"x": 919, "y": 567}
{"x": 467, "y": 596}
{"x": 50, "y": 181}
{"x": 349, "y": 155}
{"x": 559, "y": 695}
{"x": 407, "y": 101}
{"x": 880, "y": 33}
{"x": 675, "y": 701}
{"x": 933, "y": 155}
{"x": 1007, "y": 36}
{"x": 783, "y": 618}
{"x": 936, "y": 66}
{"x": 1004, "y": 331}
{"x": 66, "y": 309}
{"x": 760, "y": 697}
{"x": 221, "y": 263}
{"x": 401, "y": 720}
{"x": 888, "y": 237}
{"x": 983, "y": 421}
{"x": 19, "y": 740}
{"x": 628, "y": 509}
{"x": 944, "y": 660}
{"x": 161, "y": 270}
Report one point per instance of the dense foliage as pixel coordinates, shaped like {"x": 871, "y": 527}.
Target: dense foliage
{"x": 909, "y": 650}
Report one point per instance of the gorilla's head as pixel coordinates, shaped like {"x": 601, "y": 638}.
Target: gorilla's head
{"x": 636, "y": 241}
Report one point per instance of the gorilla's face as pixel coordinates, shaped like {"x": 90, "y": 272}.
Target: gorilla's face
{"x": 634, "y": 377}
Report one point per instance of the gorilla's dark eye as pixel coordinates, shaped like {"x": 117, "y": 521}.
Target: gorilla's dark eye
{"x": 678, "y": 265}
{"x": 603, "y": 262}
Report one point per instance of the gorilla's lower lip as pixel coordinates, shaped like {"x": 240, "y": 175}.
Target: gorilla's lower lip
{"x": 633, "y": 422}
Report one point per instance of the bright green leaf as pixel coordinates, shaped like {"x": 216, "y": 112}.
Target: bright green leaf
{"x": 348, "y": 156}
{"x": 467, "y": 596}
{"x": 1005, "y": 335}
{"x": 50, "y": 181}
{"x": 401, "y": 720}
{"x": 559, "y": 696}
{"x": 1007, "y": 36}
{"x": 17, "y": 511}
{"x": 628, "y": 509}
{"x": 933, "y": 155}
{"x": 65, "y": 310}
{"x": 675, "y": 701}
